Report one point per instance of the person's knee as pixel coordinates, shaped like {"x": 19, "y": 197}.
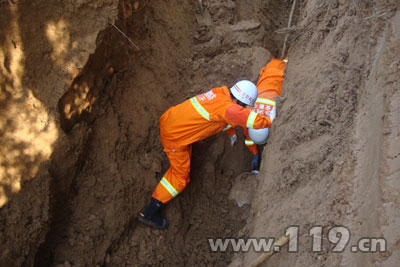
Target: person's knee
{"x": 182, "y": 181}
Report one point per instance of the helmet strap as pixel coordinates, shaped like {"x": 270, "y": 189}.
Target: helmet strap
{"x": 240, "y": 103}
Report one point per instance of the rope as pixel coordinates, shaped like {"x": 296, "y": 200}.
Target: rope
{"x": 123, "y": 34}
{"x": 289, "y": 24}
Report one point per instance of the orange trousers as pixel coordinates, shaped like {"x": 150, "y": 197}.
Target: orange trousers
{"x": 269, "y": 86}
{"x": 177, "y": 176}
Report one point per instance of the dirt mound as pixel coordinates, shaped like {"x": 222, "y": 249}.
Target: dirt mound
{"x": 83, "y": 85}
{"x": 323, "y": 165}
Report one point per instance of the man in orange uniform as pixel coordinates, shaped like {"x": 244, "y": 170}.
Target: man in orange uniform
{"x": 193, "y": 120}
{"x": 269, "y": 86}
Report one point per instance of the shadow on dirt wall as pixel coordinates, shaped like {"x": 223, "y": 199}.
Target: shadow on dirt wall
{"x": 21, "y": 115}
{"x": 39, "y": 57}
{"x": 39, "y": 60}
{"x": 39, "y": 163}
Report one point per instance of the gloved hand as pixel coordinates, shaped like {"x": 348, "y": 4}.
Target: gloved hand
{"x": 255, "y": 163}
{"x": 233, "y": 139}
{"x": 272, "y": 114}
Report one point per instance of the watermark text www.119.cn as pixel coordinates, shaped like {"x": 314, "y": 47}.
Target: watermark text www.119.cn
{"x": 337, "y": 240}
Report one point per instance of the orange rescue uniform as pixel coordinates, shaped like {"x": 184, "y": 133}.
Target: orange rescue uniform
{"x": 269, "y": 86}
{"x": 194, "y": 120}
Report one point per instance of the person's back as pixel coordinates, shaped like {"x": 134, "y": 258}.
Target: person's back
{"x": 197, "y": 118}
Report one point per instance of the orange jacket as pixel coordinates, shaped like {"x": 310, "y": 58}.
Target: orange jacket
{"x": 203, "y": 116}
{"x": 269, "y": 86}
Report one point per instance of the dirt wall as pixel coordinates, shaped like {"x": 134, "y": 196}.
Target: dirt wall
{"x": 80, "y": 149}
{"x": 327, "y": 162}
{"x": 123, "y": 159}
{"x": 42, "y": 48}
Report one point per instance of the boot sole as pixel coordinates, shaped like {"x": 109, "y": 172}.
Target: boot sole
{"x": 148, "y": 222}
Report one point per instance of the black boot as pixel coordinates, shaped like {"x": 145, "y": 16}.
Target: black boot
{"x": 149, "y": 215}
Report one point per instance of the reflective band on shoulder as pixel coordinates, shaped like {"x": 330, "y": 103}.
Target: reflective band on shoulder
{"x": 200, "y": 108}
{"x": 227, "y": 127}
{"x": 248, "y": 142}
{"x": 250, "y": 120}
{"x": 169, "y": 187}
{"x": 285, "y": 60}
{"x": 265, "y": 101}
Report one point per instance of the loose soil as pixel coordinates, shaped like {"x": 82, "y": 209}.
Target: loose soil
{"x": 80, "y": 151}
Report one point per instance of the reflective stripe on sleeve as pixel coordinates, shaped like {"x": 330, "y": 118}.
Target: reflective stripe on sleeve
{"x": 265, "y": 101}
{"x": 200, "y": 108}
{"x": 227, "y": 127}
{"x": 250, "y": 120}
{"x": 169, "y": 187}
{"x": 248, "y": 142}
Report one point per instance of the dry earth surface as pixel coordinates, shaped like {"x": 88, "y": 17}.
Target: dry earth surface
{"x": 79, "y": 129}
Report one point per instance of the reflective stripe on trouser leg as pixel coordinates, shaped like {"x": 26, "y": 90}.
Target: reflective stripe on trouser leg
{"x": 169, "y": 187}
{"x": 177, "y": 176}
{"x": 251, "y": 146}
{"x": 248, "y": 142}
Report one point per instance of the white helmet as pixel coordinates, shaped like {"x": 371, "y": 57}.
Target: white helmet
{"x": 259, "y": 136}
{"x": 245, "y": 91}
